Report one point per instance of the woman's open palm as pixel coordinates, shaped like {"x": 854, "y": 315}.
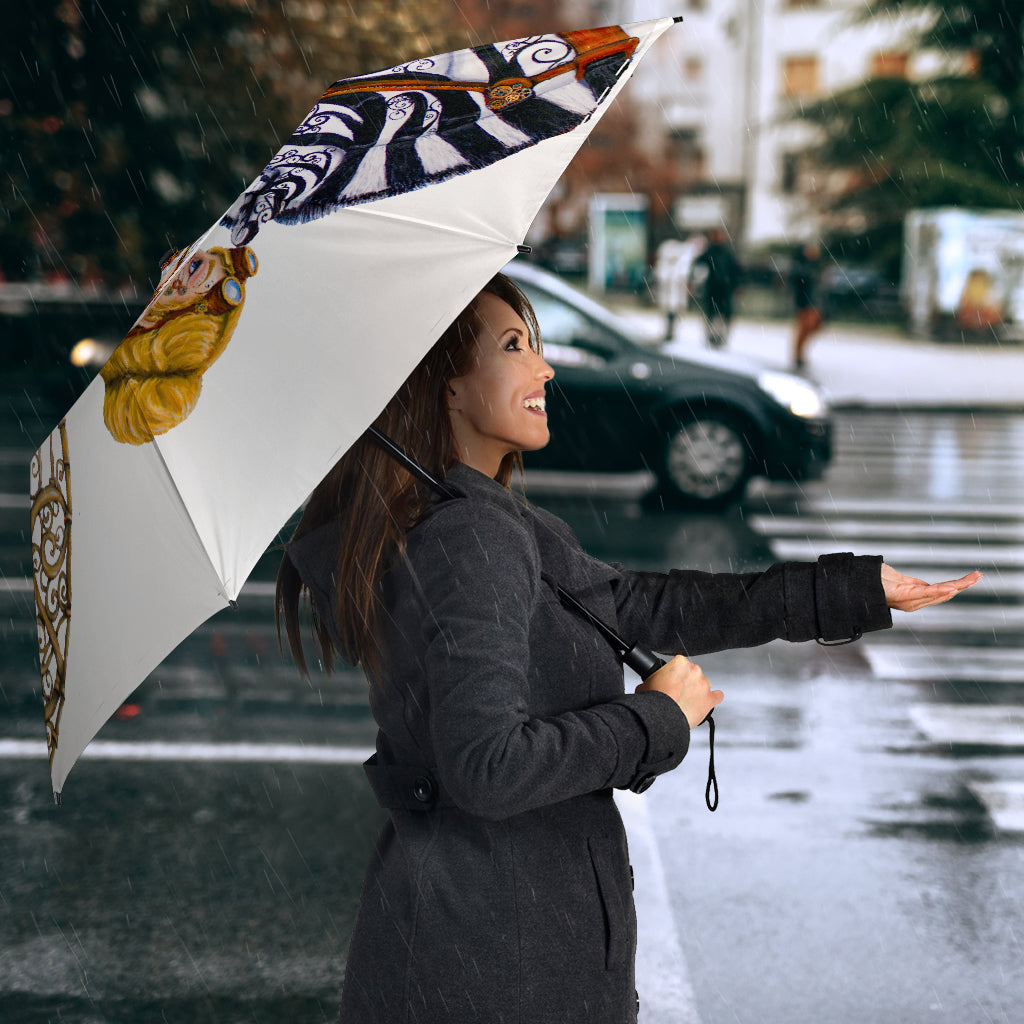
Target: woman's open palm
{"x": 908, "y": 594}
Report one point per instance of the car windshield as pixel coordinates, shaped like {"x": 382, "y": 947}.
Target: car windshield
{"x": 564, "y": 326}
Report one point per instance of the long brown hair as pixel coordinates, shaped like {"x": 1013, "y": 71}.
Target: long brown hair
{"x": 376, "y": 501}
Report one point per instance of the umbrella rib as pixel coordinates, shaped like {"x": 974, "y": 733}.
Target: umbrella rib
{"x": 221, "y": 588}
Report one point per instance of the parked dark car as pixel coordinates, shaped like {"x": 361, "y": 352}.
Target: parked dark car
{"x": 704, "y": 424}
{"x": 859, "y": 293}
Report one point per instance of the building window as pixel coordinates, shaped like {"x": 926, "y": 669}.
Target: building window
{"x": 800, "y": 76}
{"x": 790, "y": 172}
{"x": 686, "y": 152}
{"x": 889, "y": 64}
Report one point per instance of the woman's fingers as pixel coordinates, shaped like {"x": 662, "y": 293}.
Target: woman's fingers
{"x": 687, "y": 685}
{"x": 909, "y": 594}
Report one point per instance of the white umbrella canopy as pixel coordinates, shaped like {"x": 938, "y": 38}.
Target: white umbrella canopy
{"x": 274, "y": 341}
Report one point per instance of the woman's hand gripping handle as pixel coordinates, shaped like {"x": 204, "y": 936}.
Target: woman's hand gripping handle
{"x": 687, "y": 685}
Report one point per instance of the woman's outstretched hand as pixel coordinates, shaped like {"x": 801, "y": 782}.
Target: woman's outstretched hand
{"x": 687, "y": 685}
{"x": 908, "y": 594}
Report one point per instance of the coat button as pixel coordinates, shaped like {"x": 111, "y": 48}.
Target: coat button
{"x": 643, "y": 783}
{"x": 424, "y": 789}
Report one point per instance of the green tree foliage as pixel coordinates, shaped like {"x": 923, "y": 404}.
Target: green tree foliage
{"x": 956, "y": 138}
{"x": 128, "y": 126}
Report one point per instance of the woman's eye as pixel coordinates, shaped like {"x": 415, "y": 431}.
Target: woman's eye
{"x": 194, "y": 266}
{"x": 512, "y": 345}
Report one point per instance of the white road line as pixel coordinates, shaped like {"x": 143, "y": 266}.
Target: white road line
{"x": 979, "y": 531}
{"x": 951, "y": 664}
{"x": 24, "y": 585}
{"x": 621, "y": 485}
{"x": 882, "y": 507}
{"x": 262, "y": 753}
{"x": 1004, "y": 802}
{"x": 662, "y": 976}
{"x": 259, "y": 588}
{"x": 15, "y": 585}
{"x": 963, "y": 617}
{"x": 968, "y": 555}
{"x": 988, "y": 725}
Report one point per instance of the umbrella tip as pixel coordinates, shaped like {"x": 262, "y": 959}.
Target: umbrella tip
{"x": 56, "y": 797}
{"x": 678, "y": 18}
{"x": 524, "y": 249}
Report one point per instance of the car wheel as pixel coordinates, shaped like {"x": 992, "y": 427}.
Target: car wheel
{"x": 705, "y": 461}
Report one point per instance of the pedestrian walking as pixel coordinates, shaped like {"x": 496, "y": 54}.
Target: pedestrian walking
{"x": 499, "y": 889}
{"x": 803, "y": 279}
{"x": 672, "y": 276}
{"x": 716, "y": 273}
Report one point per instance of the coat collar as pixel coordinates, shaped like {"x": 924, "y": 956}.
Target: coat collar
{"x": 471, "y": 483}
{"x": 561, "y": 554}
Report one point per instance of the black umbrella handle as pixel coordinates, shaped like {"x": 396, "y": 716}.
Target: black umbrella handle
{"x": 642, "y": 661}
{"x": 645, "y": 663}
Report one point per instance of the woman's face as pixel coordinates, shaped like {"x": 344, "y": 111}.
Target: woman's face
{"x": 498, "y": 407}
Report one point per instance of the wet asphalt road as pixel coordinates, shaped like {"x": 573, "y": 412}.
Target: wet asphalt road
{"x": 851, "y": 873}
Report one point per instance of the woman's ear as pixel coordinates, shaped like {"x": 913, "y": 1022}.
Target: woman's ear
{"x": 454, "y": 397}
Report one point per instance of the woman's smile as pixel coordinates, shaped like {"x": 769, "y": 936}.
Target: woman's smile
{"x": 536, "y": 403}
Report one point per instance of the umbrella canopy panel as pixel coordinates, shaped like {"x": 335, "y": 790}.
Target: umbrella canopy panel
{"x": 274, "y": 340}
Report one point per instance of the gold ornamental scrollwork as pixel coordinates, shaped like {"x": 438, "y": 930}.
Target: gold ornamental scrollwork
{"x": 51, "y": 569}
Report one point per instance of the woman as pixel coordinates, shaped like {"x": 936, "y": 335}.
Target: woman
{"x": 500, "y": 890}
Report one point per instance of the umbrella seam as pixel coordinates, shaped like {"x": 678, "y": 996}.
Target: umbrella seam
{"x": 221, "y": 584}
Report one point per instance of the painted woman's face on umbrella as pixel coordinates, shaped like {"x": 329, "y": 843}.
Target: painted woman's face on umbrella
{"x": 183, "y": 285}
{"x": 498, "y": 407}
{"x": 154, "y": 378}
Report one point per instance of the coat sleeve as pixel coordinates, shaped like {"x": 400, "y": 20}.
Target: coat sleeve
{"x": 478, "y": 577}
{"x": 838, "y": 598}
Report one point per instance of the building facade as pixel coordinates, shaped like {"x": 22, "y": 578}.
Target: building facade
{"x": 719, "y": 94}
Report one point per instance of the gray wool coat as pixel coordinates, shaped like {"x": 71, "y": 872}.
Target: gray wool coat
{"x": 499, "y": 891}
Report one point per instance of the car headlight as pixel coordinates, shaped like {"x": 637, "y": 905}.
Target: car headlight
{"x": 795, "y": 394}
{"x": 90, "y": 352}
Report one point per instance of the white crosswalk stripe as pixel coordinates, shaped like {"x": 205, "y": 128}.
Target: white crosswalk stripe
{"x": 952, "y": 664}
{"x": 959, "y": 725}
{"x": 1004, "y": 801}
{"x": 973, "y": 645}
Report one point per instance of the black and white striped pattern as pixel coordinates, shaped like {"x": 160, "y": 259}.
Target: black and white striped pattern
{"x": 424, "y": 122}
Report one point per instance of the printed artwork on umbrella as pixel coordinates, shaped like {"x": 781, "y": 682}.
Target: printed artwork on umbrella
{"x": 431, "y": 119}
{"x": 154, "y": 378}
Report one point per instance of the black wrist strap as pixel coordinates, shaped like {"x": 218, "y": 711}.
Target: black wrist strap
{"x": 711, "y": 801}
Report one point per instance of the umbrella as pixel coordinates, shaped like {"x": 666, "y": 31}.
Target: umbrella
{"x": 277, "y": 337}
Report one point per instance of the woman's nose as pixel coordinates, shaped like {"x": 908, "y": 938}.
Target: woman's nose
{"x": 544, "y": 370}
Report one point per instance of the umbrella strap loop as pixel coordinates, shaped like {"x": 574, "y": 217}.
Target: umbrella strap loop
{"x": 712, "y": 787}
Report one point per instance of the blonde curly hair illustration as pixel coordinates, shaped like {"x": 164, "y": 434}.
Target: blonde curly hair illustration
{"x": 154, "y": 378}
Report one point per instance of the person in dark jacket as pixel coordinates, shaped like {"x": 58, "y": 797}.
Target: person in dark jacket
{"x": 499, "y": 890}
{"x": 718, "y": 272}
{"x": 803, "y": 281}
